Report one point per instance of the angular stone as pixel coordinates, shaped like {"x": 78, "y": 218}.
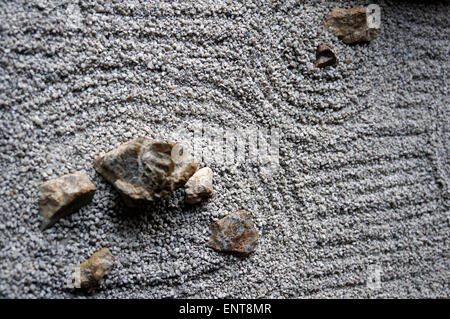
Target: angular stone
{"x": 199, "y": 186}
{"x": 144, "y": 170}
{"x": 350, "y": 25}
{"x": 234, "y": 233}
{"x": 64, "y": 195}
{"x": 325, "y": 56}
{"x": 93, "y": 269}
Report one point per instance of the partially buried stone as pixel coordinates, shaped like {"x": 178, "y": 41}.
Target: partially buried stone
{"x": 325, "y": 56}
{"x": 144, "y": 170}
{"x": 95, "y": 268}
{"x": 234, "y": 233}
{"x": 64, "y": 195}
{"x": 199, "y": 186}
{"x": 350, "y": 25}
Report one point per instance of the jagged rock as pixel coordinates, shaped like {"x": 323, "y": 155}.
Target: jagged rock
{"x": 325, "y": 56}
{"x": 93, "y": 269}
{"x": 234, "y": 233}
{"x": 145, "y": 170}
{"x": 64, "y": 195}
{"x": 350, "y": 25}
{"x": 199, "y": 186}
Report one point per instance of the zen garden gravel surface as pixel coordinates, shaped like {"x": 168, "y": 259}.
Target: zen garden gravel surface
{"x": 363, "y": 158}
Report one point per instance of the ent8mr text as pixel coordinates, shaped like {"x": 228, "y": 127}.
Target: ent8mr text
{"x": 247, "y": 308}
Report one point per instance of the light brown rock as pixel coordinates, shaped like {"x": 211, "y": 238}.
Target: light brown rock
{"x": 145, "y": 170}
{"x": 95, "y": 268}
{"x": 64, "y": 195}
{"x": 199, "y": 186}
{"x": 234, "y": 233}
{"x": 350, "y": 25}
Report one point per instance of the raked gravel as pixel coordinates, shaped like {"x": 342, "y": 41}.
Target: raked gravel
{"x": 364, "y": 147}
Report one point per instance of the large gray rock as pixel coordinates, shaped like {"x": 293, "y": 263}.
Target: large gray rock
{"x": 234, "y": 233}
{"x": 144, "y": 170}
{"x": 199, "y": 186}
{"x": 64, "y": 195}
{"x": 350, "y": 25}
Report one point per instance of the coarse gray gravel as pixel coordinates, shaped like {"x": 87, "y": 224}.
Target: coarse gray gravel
{"x": 364, "y": 147}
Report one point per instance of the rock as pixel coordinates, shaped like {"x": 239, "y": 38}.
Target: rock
{"x": 350, "y": 25}
{"x": 234, "y": 233}
{"x": 145, "y": 170}
{"x": 64, "y": 195}
{"x": 325, "y": 56}
{"x": 93, "y": 269}
{"x": 199, "y": 186}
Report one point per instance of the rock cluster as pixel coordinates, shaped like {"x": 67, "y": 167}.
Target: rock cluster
{"x": 93, "y": 269}
{"x": 199, "y": 186}
{"x": 64, "y": 195}
{"x": 350, "y": 25}
{"x": 234, "y": 233}
{"x": 145, "y": 170}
